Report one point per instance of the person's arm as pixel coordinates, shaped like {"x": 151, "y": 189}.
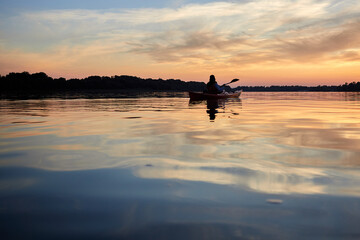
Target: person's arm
{"x": 220, "y": 89}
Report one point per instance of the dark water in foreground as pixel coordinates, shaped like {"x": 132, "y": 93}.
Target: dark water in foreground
{"x": 267, "y": 166}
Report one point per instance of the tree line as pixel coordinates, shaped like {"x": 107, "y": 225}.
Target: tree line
{"x": 347, "y": 87}
{"x": 27, "y": 82}
{"x": 41, "y": 81}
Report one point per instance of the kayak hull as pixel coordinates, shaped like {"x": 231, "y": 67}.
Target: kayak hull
{"x": 204, "y": 96}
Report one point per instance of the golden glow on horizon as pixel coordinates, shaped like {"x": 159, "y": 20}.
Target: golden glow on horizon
{"x": 281, "y": 42}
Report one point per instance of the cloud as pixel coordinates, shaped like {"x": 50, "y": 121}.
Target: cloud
{"x": 283, "y": 31}
{"x": 216, "y": 34}
{"x": 202, "y": 44}
{"x": 352, "y": 56}
{"x": 322, "y": 44}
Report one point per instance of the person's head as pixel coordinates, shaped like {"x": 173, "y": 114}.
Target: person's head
{"x": 212, "y": 78}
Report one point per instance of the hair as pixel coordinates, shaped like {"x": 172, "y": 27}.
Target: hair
{"x": 212, "y": 78}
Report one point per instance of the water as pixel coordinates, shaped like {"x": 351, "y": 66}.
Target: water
{"x": 265, "y": 166}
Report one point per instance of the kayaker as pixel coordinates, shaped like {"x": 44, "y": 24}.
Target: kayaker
{"x": 213, "y": 87}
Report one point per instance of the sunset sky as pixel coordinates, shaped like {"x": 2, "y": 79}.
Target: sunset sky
{"x": 286, "y": 42}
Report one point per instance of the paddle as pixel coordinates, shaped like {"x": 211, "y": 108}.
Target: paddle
{"x": 232, "y": 81}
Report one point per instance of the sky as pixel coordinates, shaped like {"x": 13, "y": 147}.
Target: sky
{"x": 277, "y": 42}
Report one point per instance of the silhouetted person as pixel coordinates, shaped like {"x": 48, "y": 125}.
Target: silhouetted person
{"x": 213, "y": 87}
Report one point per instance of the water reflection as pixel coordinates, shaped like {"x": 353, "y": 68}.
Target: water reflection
{"x": 215, "y": 106}
{"x": 263, "y": 143}
{"x": 212, "y": 106}
{"x": 132, "y": 168}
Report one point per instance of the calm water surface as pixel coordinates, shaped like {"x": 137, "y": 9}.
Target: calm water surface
{"x": 265, "y": 166}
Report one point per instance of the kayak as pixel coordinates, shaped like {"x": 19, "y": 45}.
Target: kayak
{"x": 204, "y": 96}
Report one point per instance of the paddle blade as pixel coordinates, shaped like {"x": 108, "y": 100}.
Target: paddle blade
{"x": 234, "y": 80}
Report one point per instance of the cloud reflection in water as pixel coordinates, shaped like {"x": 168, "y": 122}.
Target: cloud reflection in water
{"x": 295, "y": 146}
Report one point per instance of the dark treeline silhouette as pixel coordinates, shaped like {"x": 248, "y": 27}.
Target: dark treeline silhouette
{"x": 41, "y": 82}
{"x": 347, "y": 87}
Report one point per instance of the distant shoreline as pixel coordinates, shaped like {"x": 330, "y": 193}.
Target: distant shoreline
{"x": 89, "y": 94}
{"x": 39, "y": 85}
